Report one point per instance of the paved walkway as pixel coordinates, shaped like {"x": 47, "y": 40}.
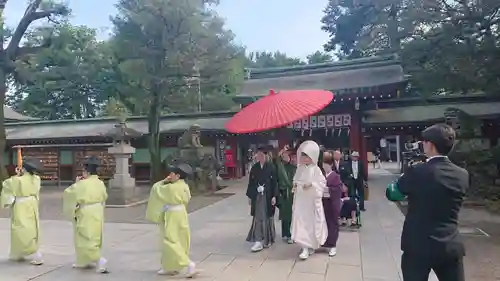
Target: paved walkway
{"x": 218, "y": 235}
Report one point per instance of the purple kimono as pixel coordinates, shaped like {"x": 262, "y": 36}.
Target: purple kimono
{"x": 332, "y": 204}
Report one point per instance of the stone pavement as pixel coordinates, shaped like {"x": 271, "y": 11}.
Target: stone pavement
{"x": 218, "y": 244}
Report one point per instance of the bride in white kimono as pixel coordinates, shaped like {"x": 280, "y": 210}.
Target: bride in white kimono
{"x": 309, "y": 228}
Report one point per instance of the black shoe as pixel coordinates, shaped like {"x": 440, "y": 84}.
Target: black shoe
{"x": 363, "y": 210}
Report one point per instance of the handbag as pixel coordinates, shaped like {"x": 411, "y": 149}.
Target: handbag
{"x": 367, "y": 192}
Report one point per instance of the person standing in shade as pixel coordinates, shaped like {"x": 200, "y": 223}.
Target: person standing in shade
{"x": 21, "y": 193}
{"x": 357, "y": 179}
{"x": 384, "y": 150}
{"x": 84, "y": 204}
{"x": 286, "y": 167}
{"x": 167, "y": 207}
{"x": 262, "y": 192}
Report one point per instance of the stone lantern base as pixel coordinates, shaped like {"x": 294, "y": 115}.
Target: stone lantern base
{"x": 121, "y": 189}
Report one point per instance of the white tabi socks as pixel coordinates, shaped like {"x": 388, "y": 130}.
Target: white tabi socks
{"x": 332, "y": 252}
{"x": 36, "y": 258}
{"x": 102, "y": 266}
{"x": 191, "y": 270}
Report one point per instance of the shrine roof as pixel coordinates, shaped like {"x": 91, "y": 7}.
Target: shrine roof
{"x": 99, "y": 127}
{"x": 428, "y": 113}
{"x": 340, "y": 77}
{"x": 11, "y": 115}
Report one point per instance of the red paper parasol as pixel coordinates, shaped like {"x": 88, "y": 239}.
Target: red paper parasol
{"x": 278, "y": 110}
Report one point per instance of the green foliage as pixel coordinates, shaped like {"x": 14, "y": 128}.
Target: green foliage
{"x": 11, "y": 52}
{"x": 270, "y": 59}
{"x": 483, "y": 167}
{"x": 482, "y": 164}
{"x": 280, "y": 59}
{"x": 319, "y": 57}
{"x": 177, "y": 56}
{"x": 190, "y": 51}
{"x": 446, "y": 46}
{"x": 117, "y": 109}
{"x": 62, "y": 81}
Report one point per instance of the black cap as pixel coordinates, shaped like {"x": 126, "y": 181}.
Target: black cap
{"x": 185, "y": 168}
{"x": 92, "y": 161}
{"x": 32, "y": 164}
{"x": 263, "y": 148}
{"x": 180, "y": 168}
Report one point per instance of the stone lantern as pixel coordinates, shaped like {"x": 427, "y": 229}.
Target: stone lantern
{"x": 122, "y": 185}
{"x": 451, "y": 117}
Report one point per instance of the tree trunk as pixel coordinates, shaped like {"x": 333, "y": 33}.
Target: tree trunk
{"x": 3, "y": 90}
{"x": 393, "y": 30}
{"x": 154, "y": 139}
{"x": 3, "y": 136}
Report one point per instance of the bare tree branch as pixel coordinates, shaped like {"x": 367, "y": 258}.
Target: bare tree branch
{"x": 30, "y": 16}
{"x": 32, "y": 7}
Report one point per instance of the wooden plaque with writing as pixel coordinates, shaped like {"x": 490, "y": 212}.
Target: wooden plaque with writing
{"x": 49, "y": 158}
{"x": 107, "y": 167}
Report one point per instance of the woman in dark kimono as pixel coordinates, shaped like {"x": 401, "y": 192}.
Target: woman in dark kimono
{"x": 332, "y": 203}
{"x": 262, "y": 192}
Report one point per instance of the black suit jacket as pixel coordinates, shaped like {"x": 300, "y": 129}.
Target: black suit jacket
{"x": 361, "y": 170}
{"x": 435, "y": 192}
{"x": 342, "y": 171}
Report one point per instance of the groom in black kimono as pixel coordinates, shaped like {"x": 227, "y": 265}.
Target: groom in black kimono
{"x": 262, "y": 192}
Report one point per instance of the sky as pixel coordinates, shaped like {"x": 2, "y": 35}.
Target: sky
{"x": 288, "y": 26}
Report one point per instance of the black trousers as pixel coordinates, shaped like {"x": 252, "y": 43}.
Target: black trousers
{"x": 418, "y": 268}
{"x": 359, "y": 189}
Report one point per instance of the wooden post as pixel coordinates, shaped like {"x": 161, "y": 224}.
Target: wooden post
{"x": 19, "y": 158}
{"x": 58, "y": 167}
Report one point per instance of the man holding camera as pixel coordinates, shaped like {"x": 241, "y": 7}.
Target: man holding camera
{"x": 435, "y": 191}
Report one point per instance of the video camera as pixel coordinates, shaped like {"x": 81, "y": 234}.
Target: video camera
{"x": 414, "y": 154}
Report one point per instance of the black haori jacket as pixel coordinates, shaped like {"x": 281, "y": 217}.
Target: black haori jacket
{"x": 267, "y": 177}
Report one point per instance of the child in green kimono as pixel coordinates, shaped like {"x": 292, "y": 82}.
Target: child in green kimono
{"x": 286, "y": 167}
{"x": 167, "y": 207}
{"x": 84, "y": 204}
{"x": 21, "y": 193}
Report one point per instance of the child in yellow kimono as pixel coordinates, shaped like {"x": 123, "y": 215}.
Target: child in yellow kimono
{"x": 21, "y": 194}
{"x": 167, "y": 208}
{"x": 83, "y": 204}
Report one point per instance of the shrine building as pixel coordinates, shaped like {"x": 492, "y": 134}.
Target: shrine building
{"x": 369, "y": 104}
{"x": 357, "y": 86}
{"x": 62, "y": 145}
